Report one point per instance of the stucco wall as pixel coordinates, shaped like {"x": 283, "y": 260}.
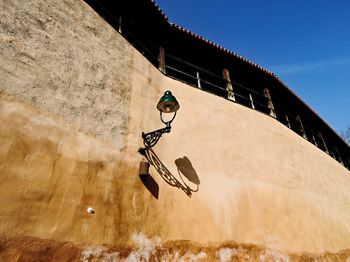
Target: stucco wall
{"x": 260, "y": 183}
{"x": 62, "y": 57}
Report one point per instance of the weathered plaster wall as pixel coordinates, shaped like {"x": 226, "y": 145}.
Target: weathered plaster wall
{"x": 260, "y": 183}
{"x": 62, "y": 57}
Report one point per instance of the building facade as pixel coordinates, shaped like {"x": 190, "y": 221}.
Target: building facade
{"x": 235, "y": 179}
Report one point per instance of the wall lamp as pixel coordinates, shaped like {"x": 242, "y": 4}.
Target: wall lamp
{"x": 166, "y": 105}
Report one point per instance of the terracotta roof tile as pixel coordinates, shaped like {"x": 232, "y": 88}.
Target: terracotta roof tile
{"x": 160, "y": 10}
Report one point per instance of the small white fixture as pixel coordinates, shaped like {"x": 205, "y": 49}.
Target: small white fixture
{"x": 90, "y": 210}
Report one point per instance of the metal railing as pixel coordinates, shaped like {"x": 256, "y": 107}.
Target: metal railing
{"x": 195, "y": 76}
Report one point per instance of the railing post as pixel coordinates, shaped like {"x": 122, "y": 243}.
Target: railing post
{"x": 161, "y": 60}
{"x": 269, "y": 102}
{"x": 347, "y": 163}
{"x": 314, "y": 139}
{"x": 288, "y": 122}
{"x": 229, "y": 87}
{"x": 251, "y": 100}
{"x": 323, "y": 142}
{"x": 337, "y": 152}
{"x": 198, "y": 80}
{"x": 301, "y": 126}
{"x": 120, "y": 25}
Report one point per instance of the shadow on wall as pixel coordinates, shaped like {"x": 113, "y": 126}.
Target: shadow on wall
{"x": 149, "y": 182}
{"x": 184, "y": 167}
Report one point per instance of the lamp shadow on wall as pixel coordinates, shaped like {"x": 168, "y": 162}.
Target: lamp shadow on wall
{"x": 185, "y": 170}
{"x": 151, "y": 185}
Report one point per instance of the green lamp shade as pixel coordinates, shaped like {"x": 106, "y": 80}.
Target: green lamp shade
{"x": 168, "y": 103}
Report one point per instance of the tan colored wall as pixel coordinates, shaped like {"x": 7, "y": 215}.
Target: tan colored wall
{"x": 260, "y": 183}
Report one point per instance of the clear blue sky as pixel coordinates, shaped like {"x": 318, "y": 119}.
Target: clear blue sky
{"x": 306, "y": 43}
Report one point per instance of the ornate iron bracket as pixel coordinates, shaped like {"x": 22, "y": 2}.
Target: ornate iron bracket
{"x": 151, "y": 139}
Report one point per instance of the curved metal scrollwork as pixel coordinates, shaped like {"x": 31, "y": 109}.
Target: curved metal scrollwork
{"x": 167, "y": 176}
{"x": 150, "y": 139}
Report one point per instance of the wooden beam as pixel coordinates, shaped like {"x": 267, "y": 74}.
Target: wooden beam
{"x": 269, "y": 103}
{"x": 301, "y": 126}
{"x": 161, "y": 60}
{"x": 323, "y": 142}
{"x": 229, "y": 87}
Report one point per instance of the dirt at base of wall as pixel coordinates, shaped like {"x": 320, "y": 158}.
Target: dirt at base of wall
{"x": 34, "y": 249}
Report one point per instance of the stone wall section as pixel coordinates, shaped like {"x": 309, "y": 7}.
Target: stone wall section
{"x": 62, "y": 57}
